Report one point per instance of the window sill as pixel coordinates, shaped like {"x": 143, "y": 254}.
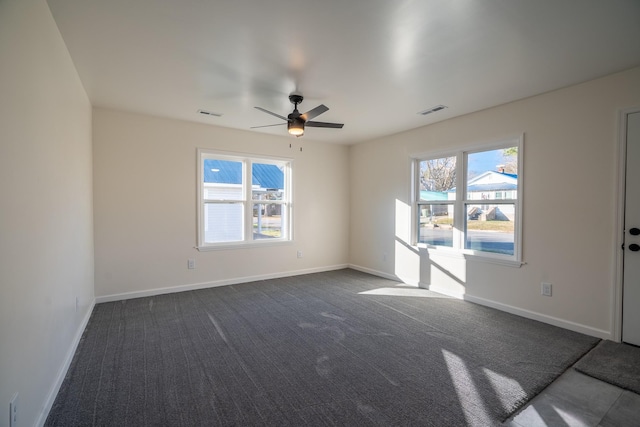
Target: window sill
{"x": 244, "y": 245}
{"x": 471, "y": 256}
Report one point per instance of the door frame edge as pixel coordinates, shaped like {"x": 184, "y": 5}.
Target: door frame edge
{"x": 621, "y": 166}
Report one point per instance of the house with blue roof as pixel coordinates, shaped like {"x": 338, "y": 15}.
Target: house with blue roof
{"x": 223, "y": 181}
{"x": 487, "y": 187}
{"x": 264, "y": 176}
{"x": 490, "y": 186}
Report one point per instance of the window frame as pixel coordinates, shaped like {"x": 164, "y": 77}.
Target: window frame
{"x": 246, "y": 201}
{"x": 462, "y": 201}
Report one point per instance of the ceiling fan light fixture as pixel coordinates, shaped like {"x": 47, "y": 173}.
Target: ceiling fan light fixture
{"x": 296, "y": 121}
{"x": 296, "y": 127}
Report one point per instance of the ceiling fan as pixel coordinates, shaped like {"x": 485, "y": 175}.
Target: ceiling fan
{"x": 296, "y": 121}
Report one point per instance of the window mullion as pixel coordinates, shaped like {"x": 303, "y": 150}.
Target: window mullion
{"x": 487, "y": 207}
{"x": 415, "y": 201}
{"x": 225, "y": 198}
{"x": 248, "y": 200}
{"x": 460, "y": 207}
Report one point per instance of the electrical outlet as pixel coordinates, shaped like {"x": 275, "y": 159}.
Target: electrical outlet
{"x": 13, "y": 411}
{"x": 546, "y": 289}
{"x": 191, "y": 264}
{"x": 77, "y": 303}
{"x": 384, "y": 256}
{"x": 299, "y": 254}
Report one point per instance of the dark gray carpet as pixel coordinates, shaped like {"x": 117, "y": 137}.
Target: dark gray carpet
{"x": 308, "y": 350}
{"x": 615, "y": 363}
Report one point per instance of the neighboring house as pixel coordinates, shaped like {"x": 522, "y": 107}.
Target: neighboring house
{"x": 489, "y": 186}
{"x": 427, "y": 214}
{"x": 223, "y": 182}
{"x": 220, "y": 172}
{"x": 433, "y": 195}
{"x": 492, "y": 185}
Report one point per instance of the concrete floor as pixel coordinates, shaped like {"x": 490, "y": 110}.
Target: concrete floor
{"x": 575, "y": 399}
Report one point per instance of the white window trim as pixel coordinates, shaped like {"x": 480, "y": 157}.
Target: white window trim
{"x": 246, "y": 159}
{"x": 458, "y": 250}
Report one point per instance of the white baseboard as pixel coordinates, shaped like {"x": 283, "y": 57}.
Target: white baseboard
{"x": 544, "y": 318}
{"x": 577, "y": 327}
{"x": 375, "y": 272}
{"x": 62, "y": 372}
{"x": 555, "y": 321}
{"x": 213, "y": 284}
{"x": 551, "y": 320}
{"x": 443, "y": 291}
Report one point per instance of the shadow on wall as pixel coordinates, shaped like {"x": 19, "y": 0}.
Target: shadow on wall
{"x": 416, "y": 266}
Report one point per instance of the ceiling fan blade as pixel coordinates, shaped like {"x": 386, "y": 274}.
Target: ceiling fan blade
{"x": 266, "y": 126}
{"x": 314, "y": 112}
{"x": 273, "y": 114}
{"x": 324, "y": 125}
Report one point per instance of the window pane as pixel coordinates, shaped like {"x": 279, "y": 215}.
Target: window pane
{"x": 266, "y": 195}
{"x": 268, "y": 176}
{"x": 235, "y": 191}
{"x": 223, "y": 222}
{"x": 267, "y": 185}
{"x": 492, "y": 174}
{"x": 267, "y": 221}
{"x": 435, "y": 225}
{"x": 222, "y": 192}
{"x": 222, "y": 179}
{"x": 438, "y": 179}
{"x": 490, "y": 228}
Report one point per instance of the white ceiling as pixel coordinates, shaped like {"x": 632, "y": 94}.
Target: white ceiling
{"x": 374, "y": 63}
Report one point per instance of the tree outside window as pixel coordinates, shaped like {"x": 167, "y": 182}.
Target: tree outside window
{"x": 473, "y": 208}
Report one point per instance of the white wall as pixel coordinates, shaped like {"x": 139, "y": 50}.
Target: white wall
{"x": 570, "y": 156}
{"x": 46, "y": 235}
{"x": 145, "y": 205}
{"x": 351, "y": 205}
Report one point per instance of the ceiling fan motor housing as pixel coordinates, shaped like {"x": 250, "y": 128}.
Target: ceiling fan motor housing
{"x": 295, "y": 98}
{"x": 296, "y": 121}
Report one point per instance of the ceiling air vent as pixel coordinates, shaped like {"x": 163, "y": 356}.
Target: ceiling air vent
{"x": 432, "y": 109}
{"x": 209, "y": 113}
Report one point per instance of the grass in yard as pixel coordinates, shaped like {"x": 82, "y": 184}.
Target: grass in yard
{"x": 501, "y": 226}
{"x": 270, "y": 232}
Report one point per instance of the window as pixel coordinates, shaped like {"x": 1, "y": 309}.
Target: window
{"x": 470, "y": 201}
{"x": 242, "y": 200}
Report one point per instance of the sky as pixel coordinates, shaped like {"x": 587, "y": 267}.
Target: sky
{"x": 485, "y": 161}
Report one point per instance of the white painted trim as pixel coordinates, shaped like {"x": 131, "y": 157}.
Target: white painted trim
{"x": 461, "y": 201}
{"x": 214, "y": 284}
{"x": 618, "y": 255}
{"x": 562, "y": 323}
{"x": 375, "y": 272}
{"x": 244, "y": 245}
{"x": 616, "y": 292}
{"x": 470, "y": 255}
{"x": 471, "y": 147}
{"x": 62, "y": 372}
{"x": 555, "y": 321}
{"x": 443, "y": 291}
{"x": 247, "y": 161}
